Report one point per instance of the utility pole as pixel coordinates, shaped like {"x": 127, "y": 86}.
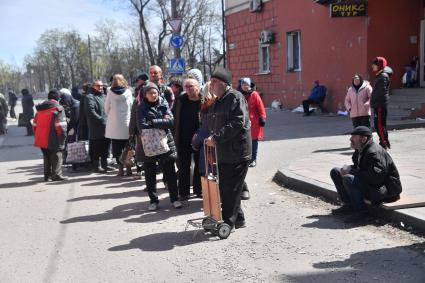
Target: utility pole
{"x": 90, "y": 60}
{"x": 224, "y": 33}
{"x": 175, "y": 15}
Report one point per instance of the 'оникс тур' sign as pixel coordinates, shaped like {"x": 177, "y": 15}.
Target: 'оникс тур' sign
{"x": 342, "y": 10}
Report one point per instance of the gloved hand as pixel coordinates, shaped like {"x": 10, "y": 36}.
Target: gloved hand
{"x": 262, "y": 122}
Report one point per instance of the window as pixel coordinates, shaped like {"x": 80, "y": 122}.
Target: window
{"x": 293, "y": 51}
{"x": 264, "y": 58}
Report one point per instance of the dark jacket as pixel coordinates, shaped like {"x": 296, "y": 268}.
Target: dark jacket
{"x": 381, "y": 89}
{"x": 178, "y": 123}
{"x": 96, "y": 115}
{"x": 156, "y": 116}
{"x": 375, "y": 167}
{"x": 27, "y": 106}
{"x": 83, "y": 128}
{"x": 72, "y": 110}
{"x": 12, "y": 98}
{"x": 228, "y": 123}
{"x": 49, "y": 126}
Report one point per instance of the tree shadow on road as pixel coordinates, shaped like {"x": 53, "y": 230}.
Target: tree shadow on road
{"x": 138, "y": 193}
{"x": 165, "y": 241}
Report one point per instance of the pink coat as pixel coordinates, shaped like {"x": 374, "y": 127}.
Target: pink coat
{"x": 358, "y": 102}
{"x": 256, "y": 110}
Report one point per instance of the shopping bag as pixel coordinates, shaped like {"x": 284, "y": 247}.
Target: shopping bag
{"x": 78, "y": 152}
{"x": 154, "y": 142}
{"x": 22, "y": 121}
{"x": 127, "y": 156}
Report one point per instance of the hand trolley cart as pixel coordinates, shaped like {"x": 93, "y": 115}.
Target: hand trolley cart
{"x": 213, "y": 221}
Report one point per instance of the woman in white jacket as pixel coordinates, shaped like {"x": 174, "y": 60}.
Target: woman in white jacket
{"x": 357, "y": 101}
{"x": 118, "y": 102}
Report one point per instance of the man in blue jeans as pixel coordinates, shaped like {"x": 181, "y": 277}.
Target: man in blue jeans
{"x": 372, "y": 176}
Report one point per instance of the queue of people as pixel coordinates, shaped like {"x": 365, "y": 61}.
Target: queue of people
{"x": 166, "y": 126}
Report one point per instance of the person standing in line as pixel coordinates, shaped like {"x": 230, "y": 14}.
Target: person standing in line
{"x": 379, "y": 99}
{"x": 357, "y": 101}
{"x": 134, "y": 137}
{"x": 12, "y": 103}
{"x": 229, "y": 128}
{"x": 50, "y": 135}
{"x": 257, "y": 116}
{"x": 153, "y": 113}
{"x": 3, "y": 114}
{"x": 118, "y": 102}
{"x": 155, "y": 76}
{"x": 188, "y": 106}
{"x": 96, "y": 122}
{"x": 27, "y": 110}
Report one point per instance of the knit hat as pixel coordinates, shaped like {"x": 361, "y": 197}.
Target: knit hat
{"x": 223, "y": 75}
{"x": 53, "y": 94}
{"x": 197, "y": 75}
{"x": 149, "y": 86}
{"x": 143, "y": 76}
{"x": 246, "y": 81}
{"x": 362, "y": 131}
{"x": 381, "y": 62}
{"x": 65, "y": 91}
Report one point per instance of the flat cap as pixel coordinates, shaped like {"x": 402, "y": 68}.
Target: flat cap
{"x": 362, "y": 131}
{"x": 223, "y": 75}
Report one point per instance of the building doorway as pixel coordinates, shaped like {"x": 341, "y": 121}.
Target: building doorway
{"x": 421, "y": 75}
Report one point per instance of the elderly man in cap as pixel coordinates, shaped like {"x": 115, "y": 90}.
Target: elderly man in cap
{"x": 229, "y": 128}
{"x": 372, "y": 176}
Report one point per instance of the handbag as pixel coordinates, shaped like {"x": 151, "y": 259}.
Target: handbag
{"x": 154, "y": 142}
{"x": 78, "y": 152}
{"x": 127, "y": 156}
{"x": 22, "y": 121}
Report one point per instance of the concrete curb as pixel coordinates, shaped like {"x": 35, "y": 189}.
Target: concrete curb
{"x": 404, "y": 126}
{"x": 315, "y": 188}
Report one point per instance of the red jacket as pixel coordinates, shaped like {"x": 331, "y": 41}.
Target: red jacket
{"x": 256, "y": 111}
{"x": 49, "y": 126}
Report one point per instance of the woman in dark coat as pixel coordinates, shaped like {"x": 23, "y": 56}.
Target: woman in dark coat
{"x": 154, "y": 113}
{"x": 27, "y": 110}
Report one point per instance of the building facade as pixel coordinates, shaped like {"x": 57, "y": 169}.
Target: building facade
{"x": 285, "y": 45}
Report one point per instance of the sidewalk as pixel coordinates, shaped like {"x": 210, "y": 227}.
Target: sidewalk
{"x": 310, "y": 174}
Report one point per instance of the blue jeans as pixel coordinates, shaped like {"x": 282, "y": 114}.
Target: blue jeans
{"x": 350, "y": 189}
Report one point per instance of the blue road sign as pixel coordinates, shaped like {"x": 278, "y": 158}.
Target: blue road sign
{"x": 177, "y": 66}
{"x": 176, "y": 41}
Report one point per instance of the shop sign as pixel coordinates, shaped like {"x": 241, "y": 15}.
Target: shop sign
{"x": 344, "y": 10}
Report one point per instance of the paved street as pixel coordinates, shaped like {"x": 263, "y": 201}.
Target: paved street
{"x": 96, "y": 228}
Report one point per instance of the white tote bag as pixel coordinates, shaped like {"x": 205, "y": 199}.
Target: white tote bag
{"x": 154, "y": 142}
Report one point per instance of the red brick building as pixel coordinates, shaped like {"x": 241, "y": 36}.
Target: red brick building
{"x": 285, "y": 45}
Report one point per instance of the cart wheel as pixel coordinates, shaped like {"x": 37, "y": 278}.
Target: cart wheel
{"x": 224, "y": 230}
{"x": 206, "y": 224}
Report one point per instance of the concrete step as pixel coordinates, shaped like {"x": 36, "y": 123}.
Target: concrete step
{"x": 408, "y": 92}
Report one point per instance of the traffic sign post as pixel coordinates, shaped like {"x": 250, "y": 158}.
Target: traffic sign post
{"x": 175, "y": 24}
{"x": 176, "y": 41}
{"x": 177, "y": 66}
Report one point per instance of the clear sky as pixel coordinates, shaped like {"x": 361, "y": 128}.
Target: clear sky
{"x": 23, "y": 21}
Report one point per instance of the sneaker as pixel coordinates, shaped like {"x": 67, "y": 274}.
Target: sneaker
{"x": 253, "y": 163}
{"x": 153, "y": 206}
{"x": 59, "y": 178}
{"x": 343, "y": 210}
{"x": 177, "y": 204}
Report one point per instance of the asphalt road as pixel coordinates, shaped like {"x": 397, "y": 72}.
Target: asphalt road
{"x": 96, "y": 228}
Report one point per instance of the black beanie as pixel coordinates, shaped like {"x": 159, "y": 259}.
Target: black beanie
{"x": 53, "y": 94}
{"x": 143, "y": 76}
{"x": 223, "y": 75}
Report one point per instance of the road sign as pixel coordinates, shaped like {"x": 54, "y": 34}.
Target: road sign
{"x": 175, "y": 24}
{"x": 176, "y": 41}
{"x": 177, "y": 66}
